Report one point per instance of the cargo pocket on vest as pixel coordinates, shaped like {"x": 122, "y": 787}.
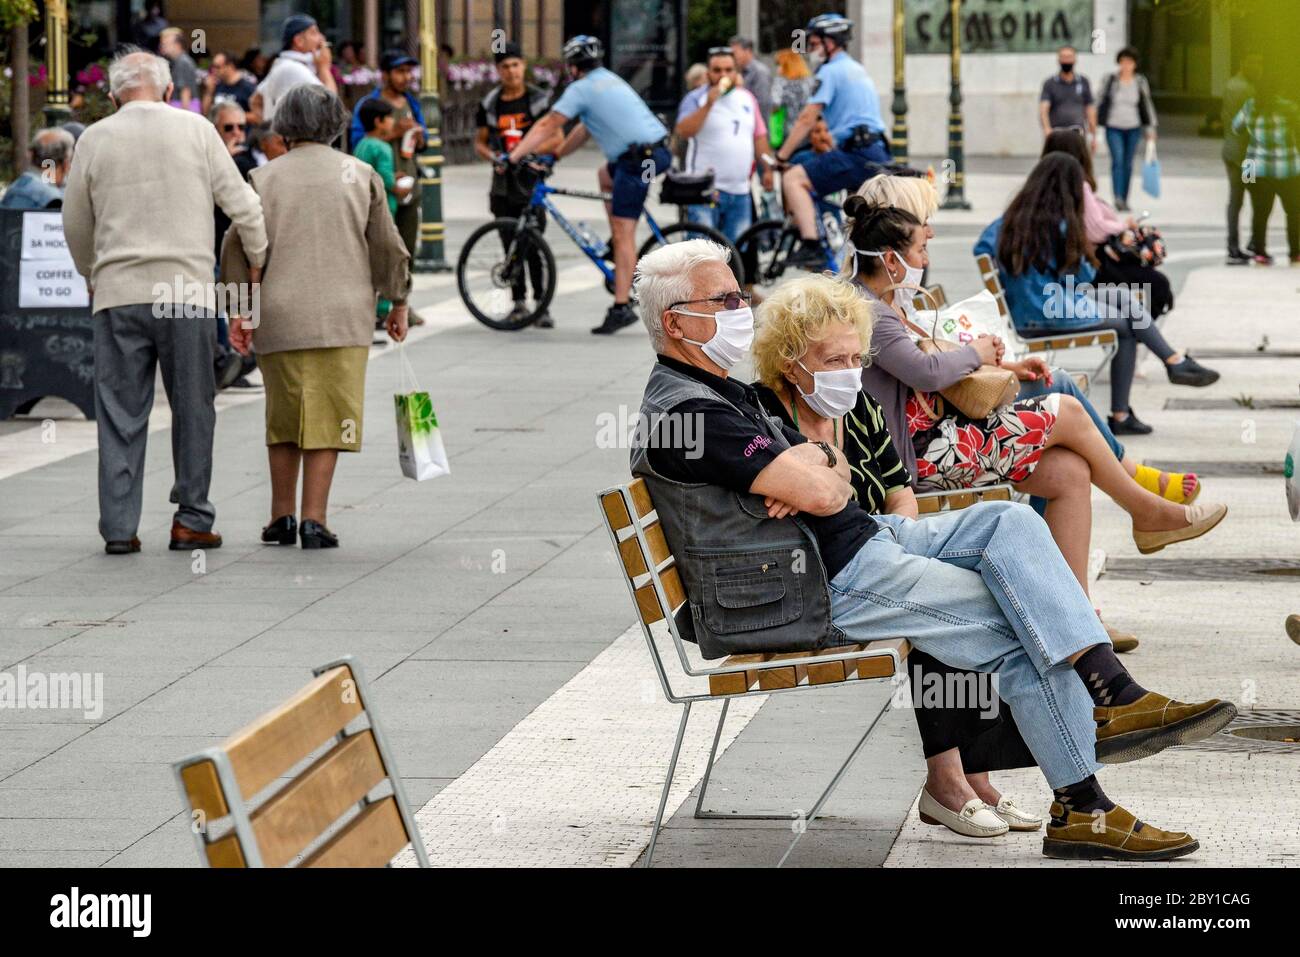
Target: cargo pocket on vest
{"x": 750, "y": 591}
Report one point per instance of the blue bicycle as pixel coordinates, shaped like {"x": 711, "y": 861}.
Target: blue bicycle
{"x": 504, "y": 257}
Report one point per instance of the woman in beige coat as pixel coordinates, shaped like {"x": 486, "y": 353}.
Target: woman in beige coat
{"x": 331, "y": 249}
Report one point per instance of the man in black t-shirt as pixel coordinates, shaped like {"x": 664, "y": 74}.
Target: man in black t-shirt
{"x": 504, "y": 115}
{"x": 226, "y": 81}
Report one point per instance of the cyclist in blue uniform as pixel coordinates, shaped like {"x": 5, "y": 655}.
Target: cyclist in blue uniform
{"x": 635, "y": 145}
{"x": 846, "y": 98}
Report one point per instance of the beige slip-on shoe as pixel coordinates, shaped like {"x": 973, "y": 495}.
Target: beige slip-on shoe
{"x": 1200, "y": 519}
{"x": 1017, "y": 818}
{"x": 1119, "y": 641}
{"x": 975, "y": 819}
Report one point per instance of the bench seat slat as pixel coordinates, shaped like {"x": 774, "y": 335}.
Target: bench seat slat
{"x": 774, "y": 672}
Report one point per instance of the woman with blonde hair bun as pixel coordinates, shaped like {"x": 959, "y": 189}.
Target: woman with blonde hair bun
{"x": 813, "y": 335}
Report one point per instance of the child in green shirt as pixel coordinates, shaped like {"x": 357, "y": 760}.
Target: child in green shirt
{"x": 375, "y": 148}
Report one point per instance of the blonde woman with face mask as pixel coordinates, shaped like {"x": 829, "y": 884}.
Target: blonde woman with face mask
{"x": 813, "y": 334}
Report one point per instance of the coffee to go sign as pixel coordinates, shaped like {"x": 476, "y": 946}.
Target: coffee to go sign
{"x": 47, "y": 279}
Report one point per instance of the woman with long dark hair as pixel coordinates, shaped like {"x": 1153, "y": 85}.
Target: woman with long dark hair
{"x": 1049, "y": 271}
{"x": 1101, "y": 222}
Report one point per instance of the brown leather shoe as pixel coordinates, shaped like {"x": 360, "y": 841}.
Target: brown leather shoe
{"x": 1114, "y": 835}
{"x": 185, "y": 538}
{"x": 1153, "y": 722}
{"x": 122, "y": 547}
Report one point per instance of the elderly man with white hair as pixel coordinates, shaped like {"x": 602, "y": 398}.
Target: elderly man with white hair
{"x": 777, "y": 556}
{"x": 41, "y": 187}
{"x": 138, "y": 220}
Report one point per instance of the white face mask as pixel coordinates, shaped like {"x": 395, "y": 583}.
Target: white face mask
{"x": 911, "y": 280}
{"x": 835, "y": 391}
{"x": 731, "y": 339}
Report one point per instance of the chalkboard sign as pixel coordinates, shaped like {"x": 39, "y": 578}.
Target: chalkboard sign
{"x": 46, "y": 338}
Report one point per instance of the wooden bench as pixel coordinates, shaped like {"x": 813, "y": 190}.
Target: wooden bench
{"x": 308, "y": 812}
{"x": 1105, "y": 340}
{"x": 655, "y": 585}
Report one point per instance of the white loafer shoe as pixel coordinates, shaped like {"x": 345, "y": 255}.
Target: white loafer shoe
{"x": 975, "y": 819}
{"x": 1017, "y": 818}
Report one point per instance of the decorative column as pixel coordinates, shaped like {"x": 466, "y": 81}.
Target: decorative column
{"x": 956, "y": 197}
{"x": 429, "y": 255}
{"x": 898, "y": 139}
{"x": 57, "y": 110}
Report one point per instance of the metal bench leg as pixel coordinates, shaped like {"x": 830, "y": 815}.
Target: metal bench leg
{"x": 1107, "y": 353}
{"x": 668, "y": 783}
{"x": 708, "y": 768}
{"x": 835, "y": 781}
{"x": 817, "y": 806}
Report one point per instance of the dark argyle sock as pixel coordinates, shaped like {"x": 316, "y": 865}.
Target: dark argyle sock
{"x": 1105, "y": 678}
{"x": 1084, "y": 797}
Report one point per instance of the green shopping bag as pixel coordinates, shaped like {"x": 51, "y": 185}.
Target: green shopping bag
{"x": 419, "y": 440}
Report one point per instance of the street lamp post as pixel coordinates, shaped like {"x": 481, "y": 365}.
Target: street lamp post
{"x": 57, "y": 109}
{"x": 429, "y": 256}
{"x": 898, "y": 141}
{"x": 956, "y": 197}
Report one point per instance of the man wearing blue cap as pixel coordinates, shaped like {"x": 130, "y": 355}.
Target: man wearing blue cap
{"x": 305, "y": 59}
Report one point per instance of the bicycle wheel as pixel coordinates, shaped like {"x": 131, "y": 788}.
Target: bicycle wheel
{"x": 763, "y": 250}
{"x": 680, "y": 232}
{"x": 498, "y": 258}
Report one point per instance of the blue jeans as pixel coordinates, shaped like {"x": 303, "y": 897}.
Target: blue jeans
{"x": 985, "y": 589}
{"x": 1064, "y": 384}
{"x": 1123, "y": 146}
{"x": 731, "y": 215}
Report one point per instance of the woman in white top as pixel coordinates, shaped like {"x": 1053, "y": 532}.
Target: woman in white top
{"x": 1126, "y": 110}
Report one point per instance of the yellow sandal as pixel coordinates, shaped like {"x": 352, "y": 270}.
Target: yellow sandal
{"x": 1182, "y": 487}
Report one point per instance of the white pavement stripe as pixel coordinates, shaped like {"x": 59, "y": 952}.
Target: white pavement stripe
{"x": 576, "y": 783}
{"x": 33, "y": 447}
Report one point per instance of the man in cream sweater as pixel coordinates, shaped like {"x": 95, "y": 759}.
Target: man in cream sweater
{"x": 137, "y": 216}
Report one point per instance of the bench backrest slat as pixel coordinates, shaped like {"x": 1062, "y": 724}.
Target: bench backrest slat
{"x": 371, "y": 839}
{"x": 279, "y": 739}
{"x": 992, "y": 281}
{"x": 302, "y": 810}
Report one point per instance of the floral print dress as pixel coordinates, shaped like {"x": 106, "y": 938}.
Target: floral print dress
{"x": 954, "y": 451}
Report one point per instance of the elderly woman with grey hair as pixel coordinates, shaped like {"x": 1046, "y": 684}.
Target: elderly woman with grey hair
{"x": 313, "y": 321}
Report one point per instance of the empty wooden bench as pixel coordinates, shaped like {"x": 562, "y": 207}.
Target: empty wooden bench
{"x": 655, "y": 585}
{"x": 307, "y": 812}
{"x": 1105, "y": 340}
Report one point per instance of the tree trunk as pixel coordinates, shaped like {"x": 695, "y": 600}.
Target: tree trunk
{"x": 20, "y": 97}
